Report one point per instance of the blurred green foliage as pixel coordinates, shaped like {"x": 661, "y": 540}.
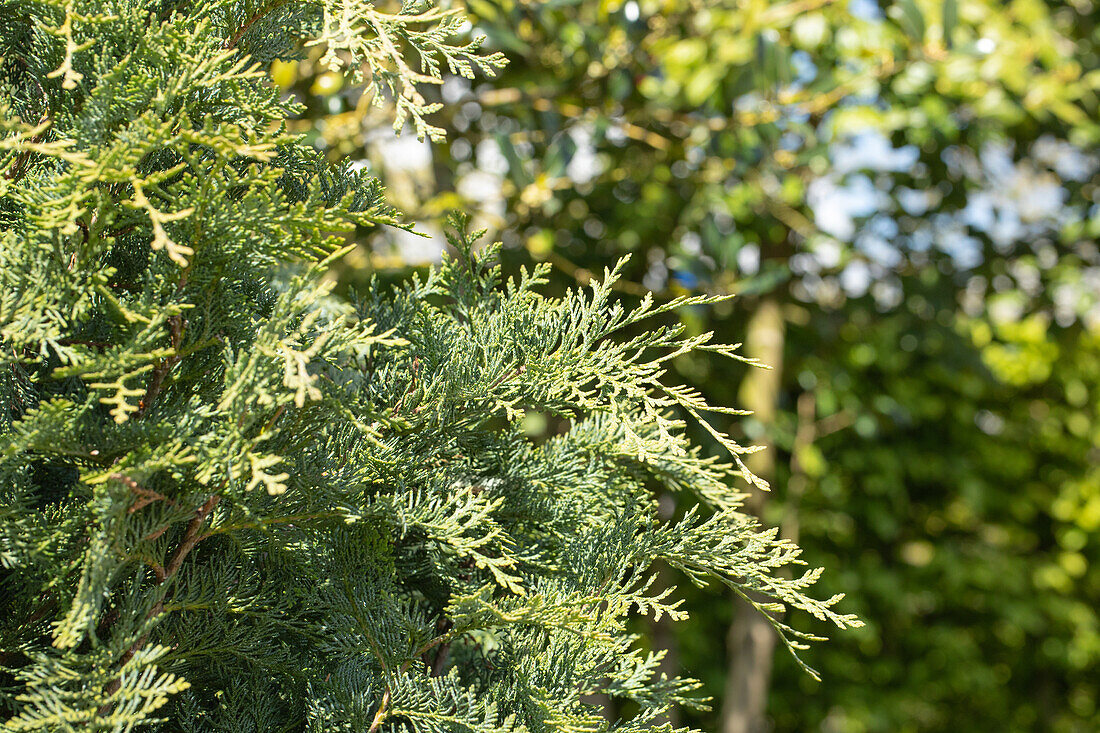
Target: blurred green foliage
{"x": 954, "y": 508}
{"x": 915, "y": 183}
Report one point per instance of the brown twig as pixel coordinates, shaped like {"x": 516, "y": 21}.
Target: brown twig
{"x": 412, "y": 386}
{"x": 147, "y": 496}
{"x": 508, "y": 375}
{"x": 443, "y": 627}
{"x": 123, "y": 231}
{"x": 832, "y": 423}
{"x": 584, "y": 276}
{"x": 15, "y": 172}
{"x": 156, "y": 533}
{"x": 190, "y": 539}
{"x": 48, "y": 604}
{"x": 380, "y": 715}
{"x": 251, "y": 21}
{"x": 101, "y": 345}
{"x": 158, "y": 570}
{"x": 274, "y": 418}
{"x": 223, "y": 528}
{"x": 175, "y": 325}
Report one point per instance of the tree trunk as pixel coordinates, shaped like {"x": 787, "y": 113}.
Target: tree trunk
{"x": 750, "y": 641}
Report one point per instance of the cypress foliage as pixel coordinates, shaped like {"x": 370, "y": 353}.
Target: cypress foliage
{"x": 231, "y": 501}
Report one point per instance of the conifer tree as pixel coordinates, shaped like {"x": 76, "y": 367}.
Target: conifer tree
{"x": 232, "y": 501}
